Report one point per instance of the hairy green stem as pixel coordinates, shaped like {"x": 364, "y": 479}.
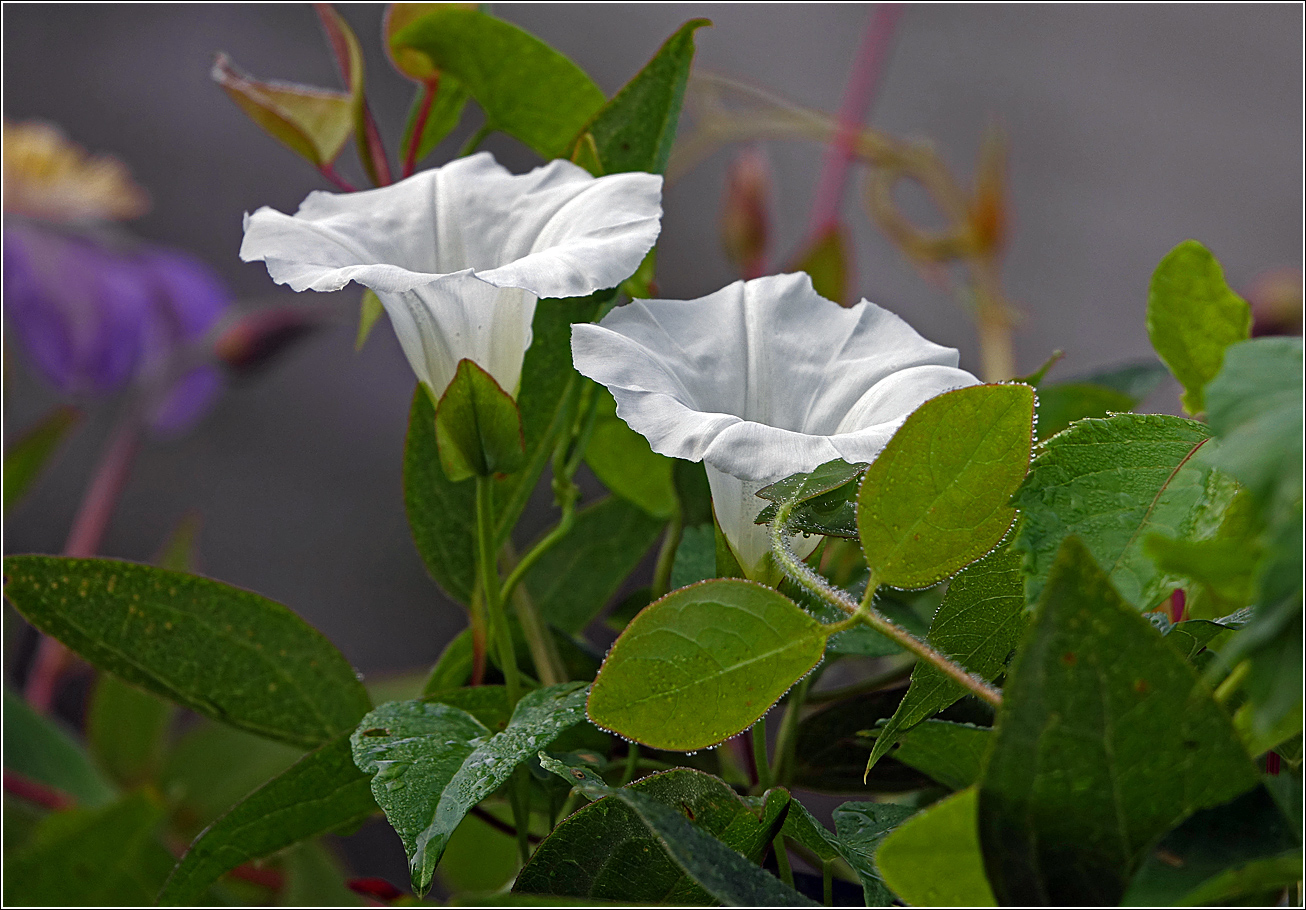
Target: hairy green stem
{"x": 782, "y": 860}
{"x": 667, "y": 555}
{"x": 499, "y": 633}
{"x": 549, "y": 668}
{"x": 865, "y": 612}
{"x": 1232, "y": 682}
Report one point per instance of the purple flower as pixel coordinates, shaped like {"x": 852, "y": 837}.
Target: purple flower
{"x": 93, "y": 319}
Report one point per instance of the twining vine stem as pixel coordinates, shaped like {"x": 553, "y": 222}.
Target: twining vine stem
{"x": 866, "y": 613}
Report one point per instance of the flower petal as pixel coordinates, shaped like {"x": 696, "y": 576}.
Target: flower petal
{"x": 764, "y": 378}
{"x": 556, "y": 231}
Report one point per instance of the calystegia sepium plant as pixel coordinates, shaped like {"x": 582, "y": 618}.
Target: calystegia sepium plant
{"x": 1068, "y": 635}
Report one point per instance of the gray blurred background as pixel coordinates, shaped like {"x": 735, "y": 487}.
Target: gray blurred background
{"x": 1130, "y": 129}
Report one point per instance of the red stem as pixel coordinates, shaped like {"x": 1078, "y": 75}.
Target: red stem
{"x": 84, "y": 540}
{"x": 857, "y": 97}
{"x": 327, "y": 171}
{"x": 36, "y": 792}
{"x": 429, "y": 88}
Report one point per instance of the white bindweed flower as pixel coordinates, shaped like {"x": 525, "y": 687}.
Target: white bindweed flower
{"x": 459, "y": 254}
{"x": 763, "y": 379}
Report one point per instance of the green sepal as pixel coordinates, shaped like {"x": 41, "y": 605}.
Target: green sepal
{"x": 478, "y": 427}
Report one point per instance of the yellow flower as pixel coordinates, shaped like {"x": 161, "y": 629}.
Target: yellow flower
{"x": 50, "y": 178}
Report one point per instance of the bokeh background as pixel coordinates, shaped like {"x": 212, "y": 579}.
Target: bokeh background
{"x": 1130, "y": 129}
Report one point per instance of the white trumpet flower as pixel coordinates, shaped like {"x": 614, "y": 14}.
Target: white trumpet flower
{"x": 763, "y": 379}
{"x": 460, "y": 254}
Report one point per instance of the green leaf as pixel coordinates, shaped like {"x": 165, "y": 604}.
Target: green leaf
{"x": 978, "y": 625}
{"x": 936, "y": 499}
{"x": 695, "y": 557}
{"x": 1192, "y": 316}
{"x": 832, "y": 745}
{"x": 859, "y": 829}
{"x": 953, "y": 754}
{"x": 1106, "y": 739}
{"x": 28, "y": 455}
{"x": 1219, "y": 854}
{"x": 1061, "y": 404}
{"x": 933, "y": 859}
{"x": 624, "y": 462}
{"x": 573, "y": 581}
{"x": 442, "y": 114}
{"x": 488, "y": 704}
{"x": 803, "y": 828}
{"x": 1114, "y": 482}
{"x": 1254, "y": 406}
{"x": 40, "y": 748}
{"x": 1137, "y": 380}
{"x": 704, "y": 663}
{"x": 321, "y": 792}
{"x": 431, "y": 763}
{"x": 126, "y": 729}
{"x": 828, "y": 260}
{"x": 721, "y": 871}
{"x": 223, "y": 652}
{"x": 440, "y": 513}
{"x": 606, "y": 851}
{"x": 349, "y": 58}
{"x": 314, "y": 123}
{"x": 370, "y": 309}
{"x": 478, "y": 428}
{"x": 88, "y": 857}
{"x": 526, "y": 88}
{"x": 636, "y": 129}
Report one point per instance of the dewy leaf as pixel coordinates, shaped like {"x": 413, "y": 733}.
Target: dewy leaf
{"x": 431, "y": 763}
{"x": 478, "y": 428}
{"x": 526, "y": 88}
{"x": 1106, "y": 739}
{"x": 1113, "y": 482}
{"x": 720, "y": 870}
{"x": 953, "y": 754}
{"x": 803, "y": 828}
{"x": 223, "y": 652}
{"x": 92, "y": 857}
{"x": 704, "y": 663}
{"x": 439, "y": 512}
{"x": 312, "y": 122}
{"x": 859, "y": 829}
{"x": 605, "y": 851}
{"x": 636, "y": 129}
{"x": 1220, "y": 854}
{"x": 933, "y": 859}
{"x": 1192, "y": 316}
{"x": 937, "y": 497}
{"x": 575, "y": 579}
{"x": 321, "y": 792}
{"x": 126, "y": 729}
{"x": 624, "y": 462}
{"x": 27, "y": 455}
{"x": 978, "y": 625}
{"x": 1254, "y": 406}
{"x": 38, "y": 747}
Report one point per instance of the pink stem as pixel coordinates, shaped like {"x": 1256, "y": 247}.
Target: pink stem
{"x": 327, "y": 171}
{"x": 419, "y": 125}
{"x": 857, "y": 97}
{"x": 33, "y": 791}
{"x": 84, "y": 540}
